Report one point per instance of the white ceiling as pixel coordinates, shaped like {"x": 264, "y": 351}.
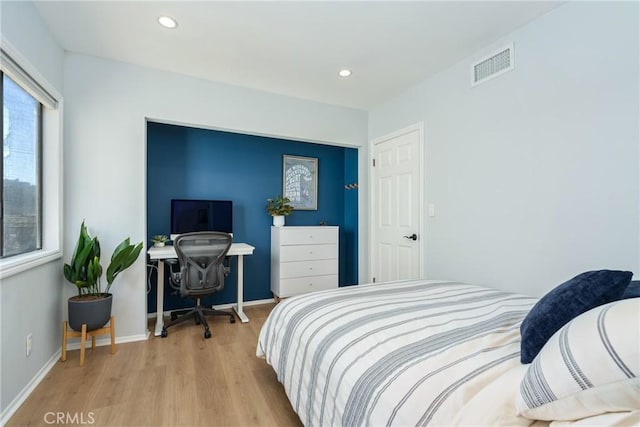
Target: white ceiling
{"x": 291, "y": 48}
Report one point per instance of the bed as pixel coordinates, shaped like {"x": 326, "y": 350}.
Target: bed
{"x": 404, "y": 353}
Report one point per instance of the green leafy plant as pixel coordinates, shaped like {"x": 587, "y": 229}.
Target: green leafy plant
{"x": 85, "y": 270}
{"x": 279, "y": 206}
{"x": 159, "y": 238}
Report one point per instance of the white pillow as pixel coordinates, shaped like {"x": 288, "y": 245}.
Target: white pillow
{"x": 610, "y": 419}
{"x": 589, "y": 367}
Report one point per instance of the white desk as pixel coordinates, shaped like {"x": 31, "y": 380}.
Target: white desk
{"x": 169, "y": 252}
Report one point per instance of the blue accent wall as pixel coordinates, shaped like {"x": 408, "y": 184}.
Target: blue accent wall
{"x": 190, "y": 163}
{"x": 349, "y": 234}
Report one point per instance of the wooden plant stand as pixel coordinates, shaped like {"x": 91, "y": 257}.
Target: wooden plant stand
{"x": 70, "y": 333}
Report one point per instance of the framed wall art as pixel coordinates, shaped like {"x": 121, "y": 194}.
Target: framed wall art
{"x": 300, "y": 181}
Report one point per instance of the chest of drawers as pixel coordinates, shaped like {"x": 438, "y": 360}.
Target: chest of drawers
{"x": 303, "y": 259}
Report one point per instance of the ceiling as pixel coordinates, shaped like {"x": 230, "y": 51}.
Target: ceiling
{"x": 291, "y": 48}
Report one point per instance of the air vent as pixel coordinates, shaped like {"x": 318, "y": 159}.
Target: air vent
{"x": 493, "y": 65}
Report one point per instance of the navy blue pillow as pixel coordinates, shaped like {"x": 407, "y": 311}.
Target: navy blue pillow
{"x": 632, "y": 291}
{"x": 566, "y": 301}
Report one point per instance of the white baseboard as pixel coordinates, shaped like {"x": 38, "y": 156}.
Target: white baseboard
{"x": 221, "y": 306}
{"x": 28, "y": 389}
{"x": 106, "y": 340}
{"x": 254, "y": 302}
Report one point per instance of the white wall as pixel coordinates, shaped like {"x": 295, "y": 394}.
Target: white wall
{"x": 30, "y": 302}
{"x": 534, "y": 174}
{"x": 106, "y": 106}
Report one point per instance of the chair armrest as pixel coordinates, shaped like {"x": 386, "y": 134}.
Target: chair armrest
{"x": 227, "y": 265}
{"x": 175, "y": 275}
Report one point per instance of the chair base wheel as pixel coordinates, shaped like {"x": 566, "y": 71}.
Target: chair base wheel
{"x": 163, "y": 334}
{"x": 232, "y": 320}
{"x": 207, "y": 334}
{"x": 174, "y": 316}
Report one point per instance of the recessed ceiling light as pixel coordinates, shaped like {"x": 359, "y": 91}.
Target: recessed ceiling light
{"x": 167, "y": 22}
{"x": 344, "y": 72}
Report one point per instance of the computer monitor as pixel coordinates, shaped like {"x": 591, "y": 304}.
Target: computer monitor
{"x": 201, "y": 215}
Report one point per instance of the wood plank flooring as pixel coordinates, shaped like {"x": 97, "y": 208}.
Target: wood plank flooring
{"x": 181, "y": 380}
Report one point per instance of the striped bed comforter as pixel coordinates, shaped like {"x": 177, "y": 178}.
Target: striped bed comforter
{"x": 403, "y": 353}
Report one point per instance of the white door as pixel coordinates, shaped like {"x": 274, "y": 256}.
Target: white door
{"x": 397, "y": 199}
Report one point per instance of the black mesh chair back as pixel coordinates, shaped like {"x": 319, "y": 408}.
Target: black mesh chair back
{"x": 201, "y": 256}
{"x": 202, "y": 272}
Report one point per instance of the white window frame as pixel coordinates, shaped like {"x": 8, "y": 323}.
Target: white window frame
{"x": 51, "y": 169}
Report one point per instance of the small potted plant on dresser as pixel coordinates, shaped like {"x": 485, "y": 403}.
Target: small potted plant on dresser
{"x": 159, "y": 240}
{"x": 278, "y": 208}
{"x": 92, "y": 305}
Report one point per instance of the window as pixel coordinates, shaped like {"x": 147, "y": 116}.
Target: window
{"x": 31, "y": 167}
{"x": 21, "y": 224}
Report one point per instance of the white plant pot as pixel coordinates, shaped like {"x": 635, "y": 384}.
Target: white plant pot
{"x": 278, "y": 220}
{"x": 158, "y": 245}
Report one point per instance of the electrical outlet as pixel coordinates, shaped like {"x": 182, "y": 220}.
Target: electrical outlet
{"x": 29, "y": 344}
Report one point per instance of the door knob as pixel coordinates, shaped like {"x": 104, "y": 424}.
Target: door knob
{"x": 414, "y": 236}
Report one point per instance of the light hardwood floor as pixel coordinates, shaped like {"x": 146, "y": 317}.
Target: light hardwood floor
{"x": 181, "y": 380}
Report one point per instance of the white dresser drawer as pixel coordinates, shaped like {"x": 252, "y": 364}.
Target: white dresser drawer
{"x": 308, "y": 252}
{"x": 308, "y": 235}
{"x": 302, "y": 285}
{"x": 304, "y": 259}
{"x": 308, "y": 268}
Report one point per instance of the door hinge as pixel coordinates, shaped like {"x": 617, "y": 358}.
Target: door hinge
{"x": 374, "y": 163}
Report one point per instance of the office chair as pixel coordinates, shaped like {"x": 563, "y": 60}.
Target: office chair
{"x": 202, "y": 271}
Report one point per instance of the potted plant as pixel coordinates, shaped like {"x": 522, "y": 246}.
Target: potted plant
{"x": 92, "y": 305}
{"x": 159, "y": 240}
{"x": 279, "y": 207}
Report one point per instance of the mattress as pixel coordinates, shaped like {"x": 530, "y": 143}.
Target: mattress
{"x": 399, "y": 353}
